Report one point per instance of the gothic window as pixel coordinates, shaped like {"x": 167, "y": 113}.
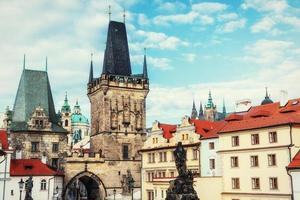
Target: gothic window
{"x": 66, "y": 122}
{"x": 43, "y": 184}
{"x": 125, "y": 152}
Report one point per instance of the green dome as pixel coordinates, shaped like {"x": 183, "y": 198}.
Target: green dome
{"x": 79, "y": 118}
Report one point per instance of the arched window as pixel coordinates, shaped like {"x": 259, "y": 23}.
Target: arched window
{"x": 43, "y": 184}
{"x": 66, "y": 122}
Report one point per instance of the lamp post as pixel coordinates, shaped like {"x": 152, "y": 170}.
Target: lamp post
{"x": 114, "y": 193}
{"x": 21, "y": 185}
{"x": 132, "y": 193}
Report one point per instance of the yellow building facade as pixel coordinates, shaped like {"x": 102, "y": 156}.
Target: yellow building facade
{"x": 158, "y": 165}
{"x": 255, "y": 148}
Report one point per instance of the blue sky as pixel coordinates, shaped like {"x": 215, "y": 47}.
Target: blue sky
{"x": 233, "y": 48}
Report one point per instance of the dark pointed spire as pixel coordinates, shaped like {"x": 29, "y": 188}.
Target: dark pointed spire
{"x": 194, "y": 111}
{"x": 116, "y": 56}
{"x": 66, "y": 107}
{"x": 46, "y": 65}
{"x": 24, "y": 59}
{"x": 224, "y": 108}
{"x": 201, "y": 114}
{"x": 145, "y": 71}
{"x": 267, "y": 99}
{"x": 91, "y": 77}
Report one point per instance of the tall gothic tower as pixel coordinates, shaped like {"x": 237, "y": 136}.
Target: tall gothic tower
{"x": 118, "y": 100}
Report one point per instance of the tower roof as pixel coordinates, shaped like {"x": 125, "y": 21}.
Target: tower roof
{"x": 34, "y": 90}
{"x": 66, "y": 107}
{"x": 116, "y": 56}
{"x": 267, "y": 99}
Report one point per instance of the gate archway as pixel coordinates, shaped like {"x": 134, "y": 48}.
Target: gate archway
{"x": 85, "y": 185}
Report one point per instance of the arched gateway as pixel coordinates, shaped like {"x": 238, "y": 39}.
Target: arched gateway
{"x": 85, "y": 185}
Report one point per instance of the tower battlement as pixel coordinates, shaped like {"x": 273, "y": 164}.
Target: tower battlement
{"x": 126, "y": 82}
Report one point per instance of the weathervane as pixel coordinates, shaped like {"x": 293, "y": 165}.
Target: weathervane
{"x": 109, "y": 12}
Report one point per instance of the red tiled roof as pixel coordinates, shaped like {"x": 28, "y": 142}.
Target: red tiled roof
{"x": 168, "y": 130}
{"x": 3, "y": 139}
{"x": 295, "y": 164}
{"x": 207, "y": 129}
{"x": 30, "y": 167}
{"x": 264, "y": 116}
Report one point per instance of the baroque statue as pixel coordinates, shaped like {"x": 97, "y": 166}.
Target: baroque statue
{"x": 182, "y": 187}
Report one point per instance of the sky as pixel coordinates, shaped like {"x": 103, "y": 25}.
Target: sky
{"x": 233, "y": 48}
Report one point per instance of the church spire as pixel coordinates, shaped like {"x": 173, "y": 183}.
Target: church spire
{"x": 91, "y": 77}
{"x": 267, "y": 99}
{"x": 201, "y": 114}
{"x": 145, "y": 72}
{"x": 66, "y": 107}
{"x": 210, "y": 103}
{"x": 224, "y": 108}
{"x": 194, "y": 111}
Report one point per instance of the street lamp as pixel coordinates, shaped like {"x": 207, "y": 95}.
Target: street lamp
{"x": 114, "y": 193}
{"x": 21, "y": 185}
{"x": 132, "y": 193}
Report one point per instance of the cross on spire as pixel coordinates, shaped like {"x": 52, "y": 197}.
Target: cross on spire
{"x": 124, "y": 15}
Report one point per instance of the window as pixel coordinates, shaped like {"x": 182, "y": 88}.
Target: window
{"x": 54, "y": 147}
{"x": 153, "y": 157}
{"x": 150, "y": 195}
{"x": 125, "y": 151}
{"x": 254, "y": 139}
{"x": 273, "y": 137}
{"x": 165, "y": 156}
{"x": 163, "y": 174}
{"x": 43, "y": 184}
{"x": 211, "y": 145}
{"x": 55, "y": 162}
{"x": 235, "y": 183}
{"x": 212, "y": 164}
{"x": 148, "y": 176}
{"x": 272, "y": 159}
{"x": 149, "y": 158}
{"x": 162, "y": 194}
{"x": 172, "y": 174}
{"x": 160, "y": 156}
{"x": 66, "y": 122}
{"x": 273, "y": 183}
{"x": 195, "y": 154}
{"x": 12, "y": 192}
{"x": 172, "y": 157}
{"x": 235, "y": 141}
{"x": 254, "y": 161}
{"x": 255, "y": 183}
{"x": 234, "y": 161}
{"x": 34, "y": 146}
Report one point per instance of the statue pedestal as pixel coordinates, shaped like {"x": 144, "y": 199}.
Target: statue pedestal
{"x": 182, "y": 188}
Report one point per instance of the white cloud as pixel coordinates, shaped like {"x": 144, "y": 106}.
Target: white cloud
{"x": 143, "y": 20}
{"x": 266, "y": 24}
{"x": 208, "y": 7}
{"x": 268, "y": 52}
{"x": 190, "y": 57}
{"x": 227, "y": 16}
{"x": 206, "y": 20}
{"x": 171, "y": 6}
{"x": 153, "y": 62}
{"x": 177, "y": 18}
{"x": 231, "y": 26}
{"x": 160, "y": 40}
{"x": 266, "y": 5}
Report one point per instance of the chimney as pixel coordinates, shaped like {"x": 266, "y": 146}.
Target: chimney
{"x": 283, "y": 97}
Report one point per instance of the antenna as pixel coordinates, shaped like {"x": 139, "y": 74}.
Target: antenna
{"x": 46, "y": 63}
{"x": 109, "y": 12}
{"x": 24, "y": 61}
{"x": 124, "y": 15}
